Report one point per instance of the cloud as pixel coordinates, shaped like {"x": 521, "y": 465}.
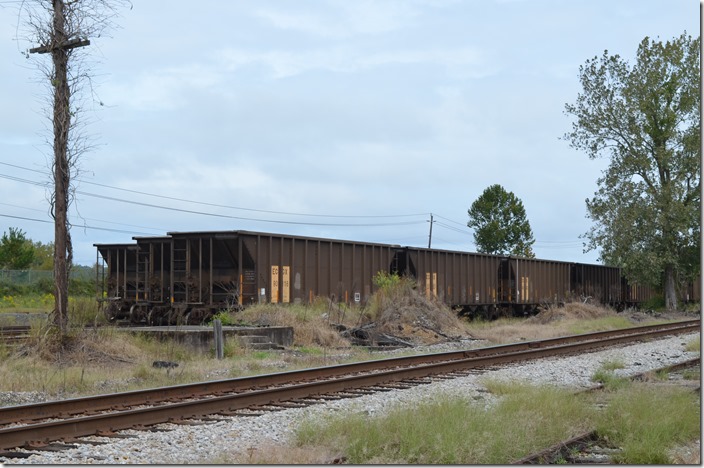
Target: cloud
{"x": 467, "y": 62}
{"x": 338, "y": 20}
{"x": 160, "y": 90}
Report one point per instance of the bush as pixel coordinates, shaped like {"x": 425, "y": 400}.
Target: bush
{"x": 656, "y": 303}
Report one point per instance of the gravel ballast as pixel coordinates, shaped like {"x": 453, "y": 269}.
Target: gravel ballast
{"x": 223, "y": 440}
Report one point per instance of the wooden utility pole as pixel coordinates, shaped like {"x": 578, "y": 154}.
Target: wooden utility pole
{"x": 59, "y": 45}
{"x": 430, "y": 235}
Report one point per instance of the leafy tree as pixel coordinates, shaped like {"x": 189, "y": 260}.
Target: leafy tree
{"x": 16, "y": 251}
{"x": 500, "y": 224}
{"x": 645, "y": 118}
{"x": 43, "y": 256}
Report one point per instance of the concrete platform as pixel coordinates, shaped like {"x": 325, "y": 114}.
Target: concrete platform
{"x": 202, "y": 337}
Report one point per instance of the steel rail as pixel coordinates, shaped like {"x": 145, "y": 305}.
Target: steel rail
{"x": 116, "y": 401}
{"x": 70, "y": 429}
{"x": 14, "y": 334}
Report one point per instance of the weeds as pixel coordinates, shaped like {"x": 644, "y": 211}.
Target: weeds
{"x": 454, "y": 430}
{"x": 646, "y": 421}
{"x": 694, "y": 346}
{"x": 691, "y": 374}
{"x": 613, "y": 364}
{"x": 609, "y": 380}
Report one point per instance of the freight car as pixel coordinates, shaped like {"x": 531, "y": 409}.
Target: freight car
{"x": 118, "y": 285}
{"x": 186, "y": 277}
{"x": 486, "y": 285}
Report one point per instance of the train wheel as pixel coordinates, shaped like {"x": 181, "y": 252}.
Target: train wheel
{"x": 138, "y": 314}
{"x": 110, "y": 311}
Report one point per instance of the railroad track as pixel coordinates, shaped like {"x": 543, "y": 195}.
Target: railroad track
{"x": 38, "y": 425}
{"x": 588, "y": 447}
{"x": 13, "y": 335}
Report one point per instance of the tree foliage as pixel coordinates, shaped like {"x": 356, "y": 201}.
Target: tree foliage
{"x": 644, "y": 117}
{"x": 16, "y": 251}
{"x": 43, "y": 256}
{"x": 500, "y": 225}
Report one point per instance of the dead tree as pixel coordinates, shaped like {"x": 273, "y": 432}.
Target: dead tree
{"x": 62, "y": 28}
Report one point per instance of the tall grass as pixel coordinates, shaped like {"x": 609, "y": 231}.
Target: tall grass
{"x": 312, "y": 324}
{"x": 455, "y": 430}
{"x": 646, "y": 421}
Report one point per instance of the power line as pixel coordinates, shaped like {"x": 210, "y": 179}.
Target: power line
{"x": 464, "y": 232}
{"x": 219, "y": 215}
{"x": 84, "y": 226}
{"x": 87, "y": 219}
{"x": 215, "y": 205}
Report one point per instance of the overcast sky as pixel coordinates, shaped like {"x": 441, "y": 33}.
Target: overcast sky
{"x": 341, "y": 119}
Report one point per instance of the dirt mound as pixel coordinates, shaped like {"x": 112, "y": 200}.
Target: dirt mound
{"x": 411, "y": 316}
{"x": 571, "y": 310}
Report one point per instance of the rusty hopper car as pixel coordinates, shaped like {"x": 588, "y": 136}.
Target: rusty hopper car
{"x": 464, "y": 280}
{"x": 119, "y": 282}
{"x": 483, "y": 285}
{"x": 634, "y": 294}
{"x": 597, "y": 283}
{"x": 528, "y": 283}
{"x": 188, "y": 276}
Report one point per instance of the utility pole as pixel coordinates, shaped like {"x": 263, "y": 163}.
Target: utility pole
{"x": 58, "y": 46}
{"x": 430, "y": 236}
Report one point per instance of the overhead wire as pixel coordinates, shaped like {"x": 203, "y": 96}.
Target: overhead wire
{"x": 215, "y": 205}
{"x": 219, "y": 215}
{"x": 553, "y": 244}
{"x": 46, "y": 221}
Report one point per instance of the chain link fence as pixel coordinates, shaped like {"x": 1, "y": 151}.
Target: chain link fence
{"x": 31, "y": 277}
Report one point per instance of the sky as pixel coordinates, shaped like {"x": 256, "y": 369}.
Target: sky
{"x": 340, "y": 119}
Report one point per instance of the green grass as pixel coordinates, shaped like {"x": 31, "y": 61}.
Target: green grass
{"x": 609, "y": 380}
{"x": 694, "y": 346}
{"x": 646, "y": 421}
{"x": 613, "y": 364}
{"x": 600, "y": 324}
{"x": 455, "y": 430}
{"x": 691, "y": 374}
{"x": 26, "y": 302}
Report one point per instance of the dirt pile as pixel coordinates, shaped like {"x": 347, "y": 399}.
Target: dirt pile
{"x": 406, "y": 314}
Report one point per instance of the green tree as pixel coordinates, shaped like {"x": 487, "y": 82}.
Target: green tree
{"x": 16, "y": 251}
{"x": 500, "y": 224}
{"x": 645, "y": 118}
{"x": 43, "y": 256}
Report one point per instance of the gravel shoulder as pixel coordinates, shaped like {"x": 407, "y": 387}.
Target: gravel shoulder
{"x": 236, "y": 437}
